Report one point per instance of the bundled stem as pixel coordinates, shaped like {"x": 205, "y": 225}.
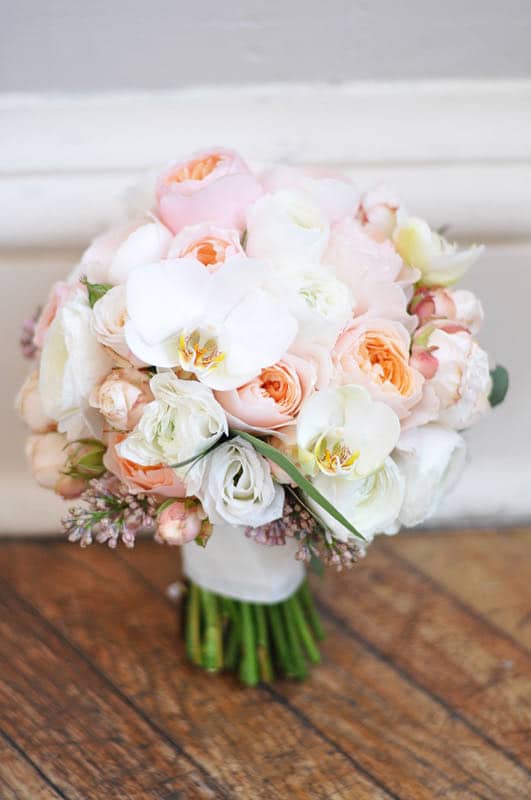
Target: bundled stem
{"x": 257, "y": 641}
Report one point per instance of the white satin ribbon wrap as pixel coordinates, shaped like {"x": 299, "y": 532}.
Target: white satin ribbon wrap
{"x": 235, "y": 566}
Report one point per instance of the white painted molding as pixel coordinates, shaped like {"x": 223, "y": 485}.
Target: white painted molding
{"x": 460, "y": 151}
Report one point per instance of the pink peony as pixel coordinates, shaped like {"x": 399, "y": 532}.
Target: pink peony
{"x": 210, "y": 245}
{"x": 213, "y": 186}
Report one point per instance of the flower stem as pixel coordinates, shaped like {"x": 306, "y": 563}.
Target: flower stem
{"x": 297, "y": 656}
{"x": 193, "y": 644}
{"x": 306, "y": 599}
{"x": 303, "y": 629}
{"x": 262, "y": 643}
{"x": 279, "y": 639}
{"x": 249, "y": 664}
{"x": 232, "y": 648}
{"x": 212, "y": 653}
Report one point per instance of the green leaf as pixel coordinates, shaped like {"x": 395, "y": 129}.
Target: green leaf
{"x": 303, "y": 483}
{"x": 198, "y": 456}
{"x": 95, "y": 291}
{"x": 500, "y": 385}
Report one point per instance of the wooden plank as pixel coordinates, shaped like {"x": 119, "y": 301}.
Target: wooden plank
{"x": 254, "y": 747}
{"x": 481, "y": 675}
{"x": 416, "y": 746}
{"x": 85, "y": 739}
{"x": 489, "y": 570}
{"x": 19, "y": 778}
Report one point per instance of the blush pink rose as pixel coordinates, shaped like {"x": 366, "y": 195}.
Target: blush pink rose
{"x": 58, "y": 296}
{"x": 121, "y": 397}
{"x": 28, "y": 404}
{"x": 207, "y": 243}
{"x": 160, "y": 480}
{"x": 182, "y": 522}
{"x": 273, "y": 399}
{"x": 374, "y": 353}
{"x": 213, "y": 186}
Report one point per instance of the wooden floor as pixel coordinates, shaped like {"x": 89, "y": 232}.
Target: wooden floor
{"x": 424, "y": 690}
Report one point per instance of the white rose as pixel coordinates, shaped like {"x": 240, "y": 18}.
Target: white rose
{"x": 371, "y": 504}
{"x": 183, "y": 420}
{"x": 342, "y": 432}
{"x": 462, "y": 381}
{"x": 234, "y": 485}
{"x": 29, "y": 405}
{"x": 431, "y": 459}
{"x": 72, "y": 363}
{"x": 440, "y": 262}
{"x": 288, "y": 228}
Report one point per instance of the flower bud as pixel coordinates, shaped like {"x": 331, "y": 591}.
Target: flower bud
{"x": 29, "y": 406}
{"x": 182, "y": 521}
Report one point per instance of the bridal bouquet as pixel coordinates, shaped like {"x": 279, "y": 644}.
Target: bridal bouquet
{"x": 268, "y": 370}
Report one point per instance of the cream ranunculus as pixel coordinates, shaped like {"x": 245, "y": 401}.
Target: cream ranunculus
{"x": 342, "y": 432}
{"x": 235, "y": 485}
{"x": 224, "y": 327}
{"x": 29, "y": 406}
{"x": 73, "y": 362}
{"x": 371, "y": 504}
{"x": 288, "y": 228}
{"x": 431, "y": 459}
{"x": 182, "y": 421}
{"x": 440, "y": 262}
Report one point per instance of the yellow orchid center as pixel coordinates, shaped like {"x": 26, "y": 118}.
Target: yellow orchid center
{"x": 199, "y": 353}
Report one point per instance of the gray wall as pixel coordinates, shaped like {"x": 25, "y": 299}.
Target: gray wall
{"x": 157, "y": 44}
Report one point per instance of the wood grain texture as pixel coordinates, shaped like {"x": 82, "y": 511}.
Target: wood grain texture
{"x": 423, "y": 692}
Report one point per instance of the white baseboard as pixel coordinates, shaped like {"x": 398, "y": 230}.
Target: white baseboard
{"x": 459, "y": 150}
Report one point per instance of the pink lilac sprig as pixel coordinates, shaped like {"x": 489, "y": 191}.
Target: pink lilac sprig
{"x": 315, "y": 541}
{"x": 27, "y": 344}
{"x": 110, "y": 514}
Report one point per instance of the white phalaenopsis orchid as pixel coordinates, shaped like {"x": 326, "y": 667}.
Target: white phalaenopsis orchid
{"x": 73, "y": 362}
{"x": 288, "y": 228}
{"x": 235, "y": 485}
{"x": 181, "y": 422}
{"x": 431, "y": 459}
{"x": 343, "y": 433}
{"x": 223, "y": 327}
{"x": 440, "y": 262}
{"x": 371, "y": 504}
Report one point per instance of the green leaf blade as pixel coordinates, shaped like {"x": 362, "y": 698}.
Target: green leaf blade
{"x": 95, "y": 291}
{"x": 500, "y": 385}
{"x": 296, "y": 475}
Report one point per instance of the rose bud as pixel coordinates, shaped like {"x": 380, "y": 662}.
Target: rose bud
{"x": 182, "y": 521}
{"x": 121, "y": 397}
{"x": 29, "y": 406}
{"x": 48, "y": 461}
